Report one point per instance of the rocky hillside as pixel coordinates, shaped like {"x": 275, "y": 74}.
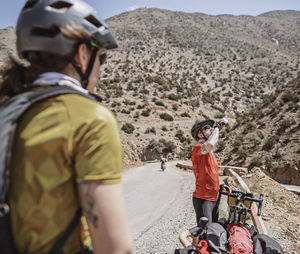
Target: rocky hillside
{"x": 268, "y": 136}
{"x": 7, "y": 44}
{"x": 172, "y": 68}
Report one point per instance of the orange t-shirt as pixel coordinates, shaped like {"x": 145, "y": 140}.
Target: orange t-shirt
{"x": 206, "y": 174}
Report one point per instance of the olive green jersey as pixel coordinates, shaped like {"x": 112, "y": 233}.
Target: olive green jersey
{"x": 58, "y": 142}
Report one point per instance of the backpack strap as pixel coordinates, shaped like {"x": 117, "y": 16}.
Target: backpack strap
{"x": 10, "y": 112}
{"x": 57, "y": 248}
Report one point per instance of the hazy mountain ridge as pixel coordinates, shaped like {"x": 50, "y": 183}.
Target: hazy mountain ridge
{"x": 280, "y": 14}
{"x": 269, "y": 24}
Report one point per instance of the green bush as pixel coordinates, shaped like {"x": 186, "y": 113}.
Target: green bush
{"x": 237, "y": 143}
{"x": 127, "y": 128}
{"x": 124, "y": 111}
{"x": 159, "y": 103}
{"x": 175, "y": 107}
{"x": 218, "y": 108}
{"x": 242, "y": 154}
{"x": 250, "y": 126}
{"x": 166, "y": 116}
{"x": 164, "y": 128}
{"x": 114, "y": 104}
{"x": 206, "y": 98}
{"x": 161, "y": 146}
{"x": 150, "y": 129}
{"x": 186, "y": 150}
{"x": 155, "y": 79}
{"x": 285, "y": 124}
{"x": 130, "y": 87}
{"x": 255, "y": 162}
{"x": 289, "y": 96}
{"x": 271, "y": 141}
{"x": 168, "y": 146}
{"x": 237, "y": 98}
{"x": 219, "y": 115}
{"x": 126, "y": 102}
{"x": 118, "y": 91}
{"x": 185, "y": 114}
{"x": 146, "y": 112}
{"x": 179, "y": 134}
{"x": 173, "y": 97}
{"x": 144, "y": 91}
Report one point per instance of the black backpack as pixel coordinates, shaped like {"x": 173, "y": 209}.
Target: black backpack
{"x": 10, "y": 112}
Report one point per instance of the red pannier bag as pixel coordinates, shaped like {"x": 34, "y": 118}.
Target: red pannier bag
{"x": 239, "y": 241}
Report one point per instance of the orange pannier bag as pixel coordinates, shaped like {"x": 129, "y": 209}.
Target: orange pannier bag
{"x": 239, "y": 241}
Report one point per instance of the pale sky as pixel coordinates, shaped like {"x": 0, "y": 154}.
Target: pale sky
{"x": 10, "y": 10}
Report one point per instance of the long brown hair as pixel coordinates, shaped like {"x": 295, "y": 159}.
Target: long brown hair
{"x": 18, "y": 77}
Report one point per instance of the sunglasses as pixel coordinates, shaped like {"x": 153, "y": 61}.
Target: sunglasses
{"x": 102, "y": 57}
{"x": 207, "y": 127}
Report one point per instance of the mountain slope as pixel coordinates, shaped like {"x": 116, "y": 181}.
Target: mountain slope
{"x": 172, "y": 68}
{"x": 175, "y": 67}
{"x": 268, "y": 136}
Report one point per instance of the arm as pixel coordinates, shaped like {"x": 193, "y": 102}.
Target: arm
{"x": 183, "y": 238}
{"x": 209, "y": 145}
{"x": 104, "y": 208}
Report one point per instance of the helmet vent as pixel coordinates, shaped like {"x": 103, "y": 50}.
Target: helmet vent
{"x": 45, "y": 32}
{"x": 93, "y": 20}
{"x": 29, "y": 4}
{"x": 61, "y": 5}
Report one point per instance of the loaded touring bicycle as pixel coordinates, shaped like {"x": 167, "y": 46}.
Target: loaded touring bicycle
{"x": 232, "y": 235}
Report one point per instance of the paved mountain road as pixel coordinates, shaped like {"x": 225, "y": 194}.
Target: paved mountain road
{"x": 293, "y": 188}
{"x": 149, "y": 192}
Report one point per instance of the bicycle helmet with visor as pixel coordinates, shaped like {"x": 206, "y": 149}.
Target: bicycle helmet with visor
{"x": 38, "y": 29}
{"x": 198, "y": 127}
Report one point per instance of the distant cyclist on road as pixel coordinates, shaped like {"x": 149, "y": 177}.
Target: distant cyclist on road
{"x": 163, "y": 163}
{"x": 205, "y": 166}
{"x": 67, "y": 154}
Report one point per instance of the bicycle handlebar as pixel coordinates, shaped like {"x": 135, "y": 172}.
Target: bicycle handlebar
{"x": 242, "y": 195}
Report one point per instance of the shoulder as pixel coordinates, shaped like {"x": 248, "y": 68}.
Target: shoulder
{"x": 81, "y": 115}
{"x": 86, "y": 108}
{"x": 196, "y": 150}
{"x": 197, "y": 147}
{"x": 200, "y": 150}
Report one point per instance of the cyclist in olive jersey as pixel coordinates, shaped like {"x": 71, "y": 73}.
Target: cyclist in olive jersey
{"x": 67, "y": 150}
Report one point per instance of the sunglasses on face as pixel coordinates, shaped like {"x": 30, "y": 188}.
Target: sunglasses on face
{"x": 207, "y": 127}
{"x": 103, "y": 56}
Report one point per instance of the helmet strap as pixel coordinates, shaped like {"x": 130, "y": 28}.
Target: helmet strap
{"x": 85, "y": 76}
{"x": 203, "y": 135}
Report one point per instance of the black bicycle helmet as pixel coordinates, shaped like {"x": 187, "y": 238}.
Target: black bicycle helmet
{"x": 198, "y": 125}
{"x": 39, "y": 21}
